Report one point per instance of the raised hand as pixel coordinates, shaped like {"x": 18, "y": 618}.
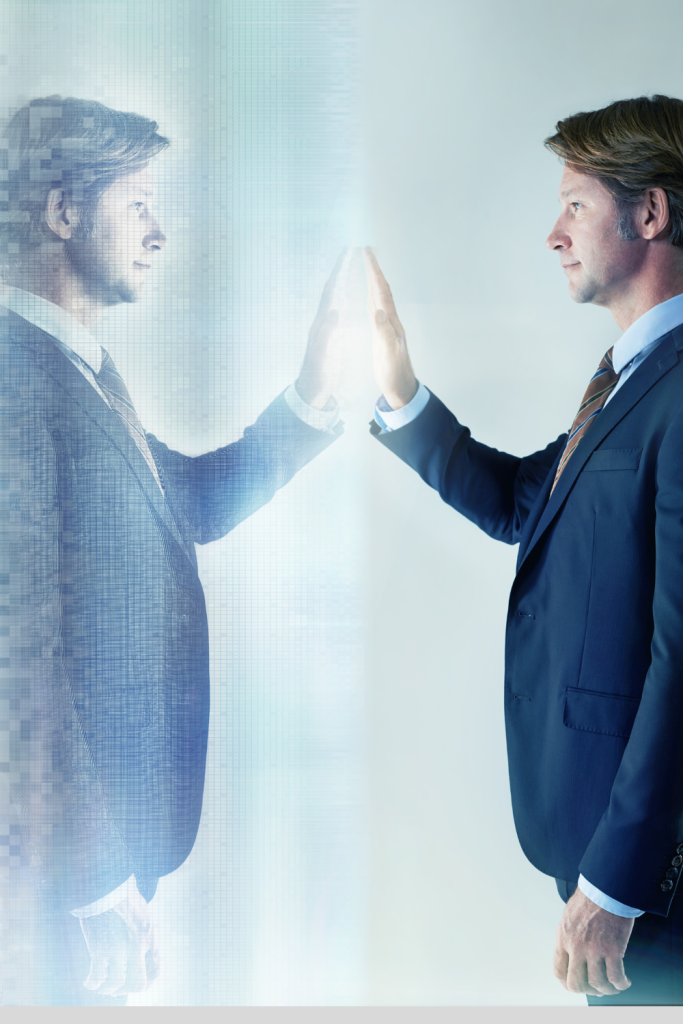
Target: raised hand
{"x": 122, "y": 947}
{"x": 393, "y": 371}
{"x": 320, "y": 370}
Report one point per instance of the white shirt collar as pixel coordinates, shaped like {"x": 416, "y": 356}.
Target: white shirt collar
{"x": 54, "y": 321}
{"x": 646, "y": 330}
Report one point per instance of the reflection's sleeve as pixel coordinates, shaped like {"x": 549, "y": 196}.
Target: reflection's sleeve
{"x": 492, "y": 489}
{"x": 212, "y": 493}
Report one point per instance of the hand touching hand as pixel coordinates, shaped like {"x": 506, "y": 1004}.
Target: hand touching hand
{"x": 122, "y": 947}
{"x": 320, "y": 370}
{"x": 391, "y": 361}
{"x": 589, "y": 948}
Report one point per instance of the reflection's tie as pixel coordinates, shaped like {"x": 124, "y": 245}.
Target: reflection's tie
{"x": 111, "y": 382}
{"x": 601, "y": 386}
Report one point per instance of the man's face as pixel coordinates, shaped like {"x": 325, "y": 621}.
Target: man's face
{"x": 115, "y": 262}
{"x": 597, "y": 261}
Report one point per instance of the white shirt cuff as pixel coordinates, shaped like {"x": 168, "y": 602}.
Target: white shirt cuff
{"x": 392, "y": 419}
{"x": 606, "y": 902}
{"x": 319, "y": 419}
{"x": 109, "y": 901}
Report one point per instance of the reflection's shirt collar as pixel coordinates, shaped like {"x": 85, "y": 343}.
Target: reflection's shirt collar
{"x": 55, "y": 321}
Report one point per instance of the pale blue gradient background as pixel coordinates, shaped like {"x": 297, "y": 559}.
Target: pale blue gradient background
{"x": 357, "y": 843}
{"x": 461, "y": 195}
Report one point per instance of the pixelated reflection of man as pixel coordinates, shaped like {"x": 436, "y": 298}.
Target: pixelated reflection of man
{"x": 594, "y": 643}
{"x": 105, "y": 688}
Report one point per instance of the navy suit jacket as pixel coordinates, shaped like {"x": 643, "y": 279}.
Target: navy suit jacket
{"x": 594, "y": 642}
{"x": 104, "y": 690}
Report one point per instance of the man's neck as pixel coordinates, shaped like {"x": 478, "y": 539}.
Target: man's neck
{"x": 54, "y": 279}
{"x": 656, "y": 284}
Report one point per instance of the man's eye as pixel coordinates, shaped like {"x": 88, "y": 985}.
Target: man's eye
{"x": 577, "y": 205}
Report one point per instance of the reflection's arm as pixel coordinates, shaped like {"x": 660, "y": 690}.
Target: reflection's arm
{"x": 212, "y": 493}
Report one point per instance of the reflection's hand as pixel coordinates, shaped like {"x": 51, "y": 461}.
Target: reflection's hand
{"x": 391, "y": 361}
{"x": 589, "y": 948}
{"x": 122, "y": 947}
{"x": 320, "y": 370}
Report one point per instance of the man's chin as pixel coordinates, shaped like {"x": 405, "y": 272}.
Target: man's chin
{"x": 122, "y": 292}
{"x": 582, "y": 293}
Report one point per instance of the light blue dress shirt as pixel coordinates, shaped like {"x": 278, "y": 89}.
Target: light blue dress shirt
{"x": 633, "y": 347}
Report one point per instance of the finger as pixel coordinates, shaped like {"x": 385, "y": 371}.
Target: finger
{"x": 152, "y": 960}
{"x": 136, "y": 970}
{"x": 597, "y": 977}
{"x": 330, "y": 294}
{"x": 378, "y": 284}
{"x": 577, "y": 977}
{"x": 327, "y": 328}
{"x": 614, "y": 967}
{"x": 97, "y": 973}
{"x": 115, "y": 981}
{"x": 560, "y": 965}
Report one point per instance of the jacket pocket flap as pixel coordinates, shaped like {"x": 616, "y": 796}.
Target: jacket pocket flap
{"x": 604, "y": 713}
{"x": 613, "y": 458}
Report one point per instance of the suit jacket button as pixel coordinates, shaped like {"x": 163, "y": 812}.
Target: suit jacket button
{"x": 672, "y": 873}
{"x": 679, "y": 849}
{"x": 677, "y": 861}
{"x": 667, "y": 885}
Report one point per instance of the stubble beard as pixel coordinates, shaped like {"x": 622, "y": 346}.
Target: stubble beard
{"x": 96, "y": 276}
{"x": 584, "y": 290}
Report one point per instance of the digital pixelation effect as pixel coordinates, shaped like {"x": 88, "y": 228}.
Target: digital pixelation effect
{"x": 180, "y": 727}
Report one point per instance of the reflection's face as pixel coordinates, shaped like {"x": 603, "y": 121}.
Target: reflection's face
{"x": 597, "y": 261}
{"x": 115, "y": 262}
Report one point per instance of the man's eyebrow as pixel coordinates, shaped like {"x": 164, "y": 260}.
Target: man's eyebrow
{"x": 569, "y": 192}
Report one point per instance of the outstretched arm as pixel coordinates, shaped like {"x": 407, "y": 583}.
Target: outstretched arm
{"x": 491, "y": 488}
{"x": 212, "y": 493}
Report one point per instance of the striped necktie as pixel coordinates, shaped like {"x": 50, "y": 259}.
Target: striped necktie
{"x": 111, "y": 383}
{"x": 602, "y": 384}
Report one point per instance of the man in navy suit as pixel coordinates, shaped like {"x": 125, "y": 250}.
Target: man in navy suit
{"x": 594, "y": 642}
{"x": 104, "y": 685}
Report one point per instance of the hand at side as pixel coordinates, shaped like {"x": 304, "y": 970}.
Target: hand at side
{"x": 589, "y": 948}
{"x": 393, "y": 371}
{"x": 122, "y": 947}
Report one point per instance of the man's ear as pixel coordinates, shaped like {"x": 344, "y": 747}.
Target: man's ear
{"x": 59, "y": 213}
{"x": 654, "y": 213}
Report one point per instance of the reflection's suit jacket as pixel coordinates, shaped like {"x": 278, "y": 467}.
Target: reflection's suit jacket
{"x": 594, "y": 643}
{"x": 104, "y": 691}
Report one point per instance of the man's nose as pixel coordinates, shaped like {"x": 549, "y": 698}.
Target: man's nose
{"x": 155, "y": 239}
{"x": 558, "y": 238}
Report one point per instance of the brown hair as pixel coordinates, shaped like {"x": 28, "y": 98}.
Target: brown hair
{"x": 78, "y": 145}
{"x": 630, "y": 146}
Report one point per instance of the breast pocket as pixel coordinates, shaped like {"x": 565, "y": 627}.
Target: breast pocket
{"x": 613, "y": 459}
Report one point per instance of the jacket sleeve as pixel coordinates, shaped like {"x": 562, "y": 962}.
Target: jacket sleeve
{"x": 59, "y": 836}
{"x": 492, "y": 489}
{"x": 214, "y": 492}
{"x": 636, "y": 851}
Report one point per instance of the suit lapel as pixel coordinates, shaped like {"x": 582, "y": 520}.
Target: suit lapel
{"x": 70, "y": 379}
{"x": 646, "y": 376}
